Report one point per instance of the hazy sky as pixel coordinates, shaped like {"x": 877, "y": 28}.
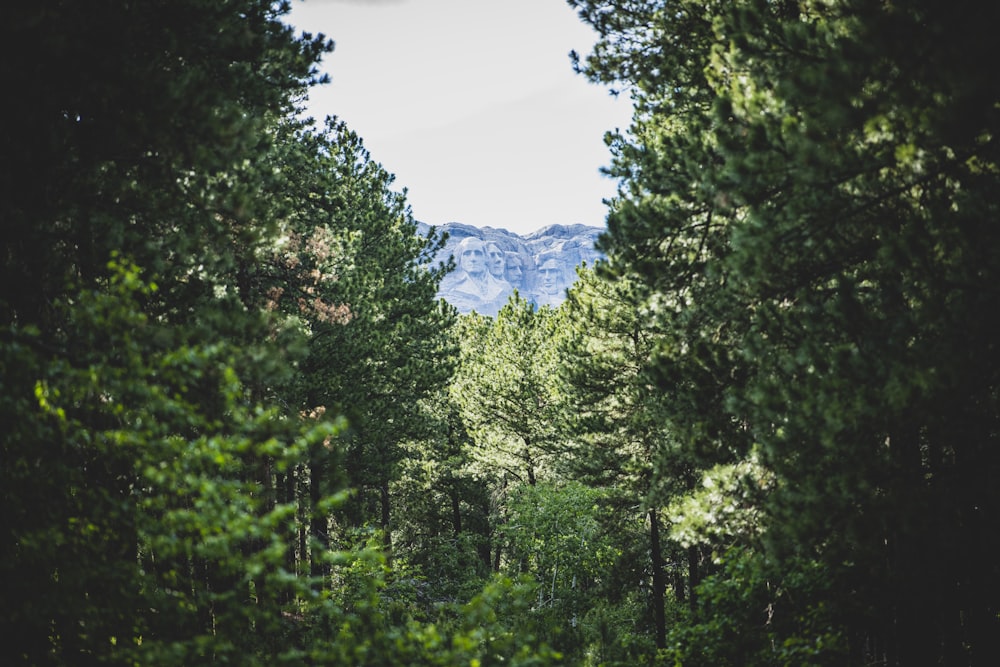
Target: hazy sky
{"x": 472, "y": 104}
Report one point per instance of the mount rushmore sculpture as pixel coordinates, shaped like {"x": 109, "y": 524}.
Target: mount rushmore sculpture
{"x": 490, "y": 264}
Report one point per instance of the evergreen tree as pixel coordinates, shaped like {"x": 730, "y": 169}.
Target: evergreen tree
{"x": 131, "y": 200}
{"x": 807, "y": 196}
{"x": 352, "y": 267}
{"x": 445, "y": 527}
{"x": 187, "y": 277}
{"x": 616, "y": 422}
{"x": 505, "y": 386}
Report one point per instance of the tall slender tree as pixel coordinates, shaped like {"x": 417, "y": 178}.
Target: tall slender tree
{"x": 616, "y": 420}
{"x": 505, "y": 385}
{"x": 354, "y": 269}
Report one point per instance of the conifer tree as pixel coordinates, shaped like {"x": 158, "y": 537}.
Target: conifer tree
{"x": 133, "y": 503}
{"x": 354, "y": 269}
{"x": 807, "y": 197}
{"x": 505, "y": 385}
{"x": 615, "y": 419}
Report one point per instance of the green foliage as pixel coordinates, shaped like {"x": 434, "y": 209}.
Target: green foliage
{"x": 722, "y": 510}
{"x": 164, "y": 488}
{"x": 558, "y": 534}
{"x": 500, "y": 626}
{"x": 176, "y": 551}
{"x": 505, "y": 386}
{"x": 147, "y": 145}
{"x": 621, "y": 435}
{"x": 444, "y": 527}
{"x": 749, "y": 616}
{"x": 139, "y": 520}
{"x": 806, "y": 201}
{"x": 352, "y": 269}
{"x": 214, "y": 319}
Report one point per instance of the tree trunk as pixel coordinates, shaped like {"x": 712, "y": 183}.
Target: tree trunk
{"x": 456, "y": 512}
{"x": 529, "y": 462}
{"x": 384, "y": 506}
{"x": 659, "y": 579}
{"x": 317, "y": 521}
{"x": 694, "y": 577}
{"x": 912, "y": 639}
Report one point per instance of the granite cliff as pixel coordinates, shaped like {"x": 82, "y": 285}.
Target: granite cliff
{"x": 491, "y": 263}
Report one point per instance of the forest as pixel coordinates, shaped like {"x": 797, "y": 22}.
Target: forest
{"x": 238, "y": 427}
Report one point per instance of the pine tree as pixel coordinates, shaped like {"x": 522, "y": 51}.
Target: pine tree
{"x": 807, "y": 198}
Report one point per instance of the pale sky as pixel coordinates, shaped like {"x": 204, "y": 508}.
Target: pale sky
{"x": 472, "y": 104}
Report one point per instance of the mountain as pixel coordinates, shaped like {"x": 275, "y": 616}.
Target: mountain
{"x": 540, "y": 265}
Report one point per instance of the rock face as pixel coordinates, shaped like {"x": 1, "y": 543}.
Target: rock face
{"x": 491, "y": 263}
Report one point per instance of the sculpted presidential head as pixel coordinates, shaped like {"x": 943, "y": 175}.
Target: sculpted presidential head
{"x": 550, "y": 277}
{"x": 472, "y": 255}
{"x": 495, "y": 260}
{"x": 514, "y": 269}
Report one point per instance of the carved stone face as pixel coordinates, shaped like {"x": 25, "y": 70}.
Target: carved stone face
{"x": 472, "y": 256}
{"x": 495, "y": 260}
{"x": 550, "y": 275}
{"x": 515, "y": 272}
